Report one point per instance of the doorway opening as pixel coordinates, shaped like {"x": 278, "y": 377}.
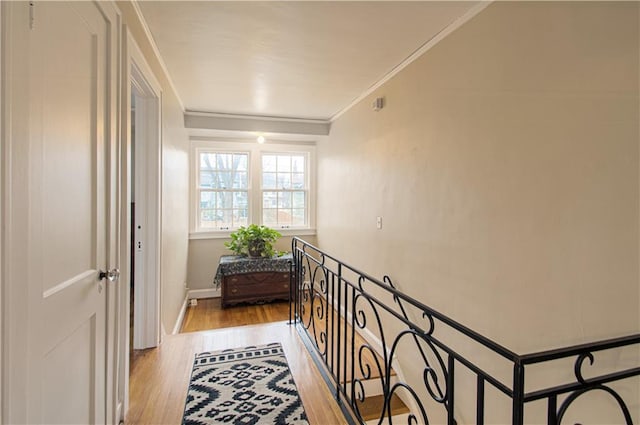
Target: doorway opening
{"x": 145, "y": 211}
{"x": 139, "y": 300}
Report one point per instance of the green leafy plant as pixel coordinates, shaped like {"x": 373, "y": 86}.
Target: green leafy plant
{"x": 254, "y": 241}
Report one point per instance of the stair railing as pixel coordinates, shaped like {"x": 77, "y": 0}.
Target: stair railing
{"x": 356, "y": 327}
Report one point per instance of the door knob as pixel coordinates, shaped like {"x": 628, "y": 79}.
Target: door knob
{"x": 111, "y": 275}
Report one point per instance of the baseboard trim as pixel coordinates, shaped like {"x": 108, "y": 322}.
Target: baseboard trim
{"x": 183, "y": 310}
{"x": 203, "y": 293}
{"x": 119, "y": 414}
{"x": 193, "y": 294}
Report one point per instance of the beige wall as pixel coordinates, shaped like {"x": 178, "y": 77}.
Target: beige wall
{"x": 204, "y": 255}
{"x": 175, "y": 182}
{"x": 175, "y": 210}
{"x": 505, "y": 167}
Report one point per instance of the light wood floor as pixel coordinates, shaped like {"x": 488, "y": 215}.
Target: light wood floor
{"x": 209, "y": 314}
{"x": 159, "y": 377}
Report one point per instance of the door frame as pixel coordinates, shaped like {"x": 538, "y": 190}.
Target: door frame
{"x": 146, "y": 176}
{"x": 2, "y": 159}
{"x": 136, "y": 71}
{"x": 2, "y": 212}
{"x": 13, "y": 307}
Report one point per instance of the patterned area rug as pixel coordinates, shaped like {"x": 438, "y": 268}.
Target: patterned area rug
{"x": 243, "y": 386}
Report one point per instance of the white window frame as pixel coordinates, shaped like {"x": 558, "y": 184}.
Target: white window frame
{"x": 255, "y": 151}
{"x": 196, "y": 183}
{"x": 306, "y": 189}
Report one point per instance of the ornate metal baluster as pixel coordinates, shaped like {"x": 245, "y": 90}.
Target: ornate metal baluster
{"x": 323, "y": 292}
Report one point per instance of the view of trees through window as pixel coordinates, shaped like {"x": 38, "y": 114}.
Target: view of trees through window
{"x": 223, "y": 190}
{"x": 284, "y": 195}
{"x": 236, "y": 188}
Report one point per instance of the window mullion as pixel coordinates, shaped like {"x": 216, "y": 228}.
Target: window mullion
{"x": 255, "y": 188}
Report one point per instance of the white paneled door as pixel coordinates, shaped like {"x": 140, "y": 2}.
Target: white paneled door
{"x": 60, "y": 208}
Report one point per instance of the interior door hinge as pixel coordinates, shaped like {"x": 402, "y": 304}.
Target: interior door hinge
{"x": 32, "y": 14}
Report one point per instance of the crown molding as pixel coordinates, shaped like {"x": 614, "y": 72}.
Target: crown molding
{"x": 156, "y": 51}
{"x": 261, "y": 123}
{"x": 457, "y": 23}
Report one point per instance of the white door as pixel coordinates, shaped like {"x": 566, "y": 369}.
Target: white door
{"x": 60, "y": 207}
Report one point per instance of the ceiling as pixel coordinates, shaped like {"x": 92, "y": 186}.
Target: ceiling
{"x": 291, "y": 59}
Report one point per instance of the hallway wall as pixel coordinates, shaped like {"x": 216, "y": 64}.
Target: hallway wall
{"x": 505, "y": 168}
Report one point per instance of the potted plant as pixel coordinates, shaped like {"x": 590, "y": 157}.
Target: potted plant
{"x": 254, "y": 241}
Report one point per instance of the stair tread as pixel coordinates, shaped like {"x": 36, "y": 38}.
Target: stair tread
{"x": 374, "y": 377}
{"x": 344, "y": 343}
{"x": 371, "y": 407}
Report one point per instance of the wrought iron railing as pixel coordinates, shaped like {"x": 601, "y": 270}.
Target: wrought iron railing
{"x": 357, "y": 327}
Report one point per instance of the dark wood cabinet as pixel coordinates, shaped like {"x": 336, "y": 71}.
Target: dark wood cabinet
{"x": 249, "y": 280}
{"x": 254, "y": 287}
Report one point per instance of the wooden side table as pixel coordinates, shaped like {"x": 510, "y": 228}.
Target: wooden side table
{"x": 244, "y": 279}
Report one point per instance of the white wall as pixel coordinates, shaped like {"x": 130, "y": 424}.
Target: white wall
{"x": 505, "y": 167}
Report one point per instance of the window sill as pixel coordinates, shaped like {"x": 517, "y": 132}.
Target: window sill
{"x": 225, "y": 233}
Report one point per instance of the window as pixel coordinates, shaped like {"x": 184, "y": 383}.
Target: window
{"x": 237, "y": 184}
{"x": 284, "y": 190}
{"x": 223, "y": 190}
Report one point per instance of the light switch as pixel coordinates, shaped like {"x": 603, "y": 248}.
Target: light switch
{"x": 379, "y": 222}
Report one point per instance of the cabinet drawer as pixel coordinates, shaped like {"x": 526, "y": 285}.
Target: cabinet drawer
{"x": 257, "y": 290}
{"x": 255, "y": 287}
{"x": 257, "y": 278}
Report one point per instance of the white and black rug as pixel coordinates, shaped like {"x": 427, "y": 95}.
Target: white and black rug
{"x": 251, "y": 385}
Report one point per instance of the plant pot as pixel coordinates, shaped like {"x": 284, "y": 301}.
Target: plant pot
{"x": 255, "y": 248}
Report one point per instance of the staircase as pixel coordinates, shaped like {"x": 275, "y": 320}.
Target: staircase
{"x": 353, "y": 324}
{"x": 370, "y": 409}
{"x": 342, "y": 363}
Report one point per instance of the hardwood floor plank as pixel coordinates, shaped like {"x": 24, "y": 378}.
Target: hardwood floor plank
{"x": 160, "y": 376}
{"x": 209, "y": 314}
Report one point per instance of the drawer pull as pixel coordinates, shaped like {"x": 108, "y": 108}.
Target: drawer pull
{"x": 234, "y": 290}
{"x": 286, "y": 285}
{"x": 234, "y": 279}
